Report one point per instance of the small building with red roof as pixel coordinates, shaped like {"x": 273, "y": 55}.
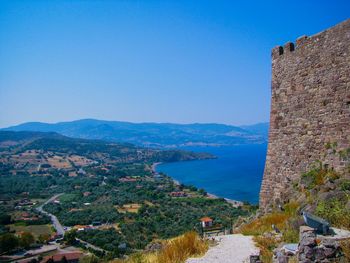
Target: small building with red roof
{"x": 206, "y": 222}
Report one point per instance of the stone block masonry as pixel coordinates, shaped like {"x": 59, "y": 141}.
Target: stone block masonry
{"x": 310, "y": 107}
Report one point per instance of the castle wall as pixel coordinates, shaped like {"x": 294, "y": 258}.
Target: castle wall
{"x": 310, "y": 107}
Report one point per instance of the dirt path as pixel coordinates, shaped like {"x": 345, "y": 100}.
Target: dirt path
{"x": 230, "y": 249}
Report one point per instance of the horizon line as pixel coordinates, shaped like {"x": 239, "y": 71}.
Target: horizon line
{"x": 133, "y": 122}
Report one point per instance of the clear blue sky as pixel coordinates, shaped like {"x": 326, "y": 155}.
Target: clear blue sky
{"x": 147, "y": 61}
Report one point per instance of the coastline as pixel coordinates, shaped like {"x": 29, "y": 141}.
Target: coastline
{"x": 154, "y": 167}
{"x": 234, "y": 203}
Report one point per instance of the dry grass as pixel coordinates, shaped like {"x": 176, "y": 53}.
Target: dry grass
{"x": 263, "y": 224}
{"x": 261, "y": 229}
{"x": 36, "y": 230}
{"x": 131, "y": 208}
{"x": 58, "y": 162}
{"x": 176, "y": 250}
{"x": 183, "y": 247}
{"x": 79, "y": 160}
{"x": 109, "y": 226}
{"x": 345, "y": 246}
{"x": 290, "y": 234}
{"x": 291, "y": 209}
{"x": 266, "y": 246}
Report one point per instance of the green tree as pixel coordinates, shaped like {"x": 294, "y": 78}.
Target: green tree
{"x": 8, "y": 242}
{"x": 89, "y": 259}
{"x": 26, "y": 239}
{"x": 5, "y": 219}
{"x": 43, "y": 238}
{"x": 69, "y": 237}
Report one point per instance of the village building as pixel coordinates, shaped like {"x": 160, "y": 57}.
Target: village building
{"x": 178, "y": 194}
{"x": 127, "y": 179}
{"x": 86, "y": 194}
{"x": 81, "y": 171}
{"x": 72, "y": 257}
{"x": 206, "y": 222}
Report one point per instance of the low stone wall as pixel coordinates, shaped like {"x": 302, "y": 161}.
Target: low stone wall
{"x": 314, "y": 248}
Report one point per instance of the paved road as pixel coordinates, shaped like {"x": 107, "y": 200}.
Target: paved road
{"x": 88, "y": 245}
{"x": 56, "y": 224}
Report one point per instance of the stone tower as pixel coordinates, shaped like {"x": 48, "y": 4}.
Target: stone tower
{"x": 310, "y": 107}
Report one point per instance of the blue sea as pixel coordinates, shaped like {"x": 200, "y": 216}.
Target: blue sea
{"x": 236, "y": 173}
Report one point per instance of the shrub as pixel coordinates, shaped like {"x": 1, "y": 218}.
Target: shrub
{"x": 345, "y": 154}
{"x": 335, "y": 212}
{"x": 290, "y": 235}
{"x": 313, "y": 178}
{"x": 26, "y": 239}
{"x": 266, "y": 245}
{"x": 176, "y": 250}
{"x": 291, "y": 209}
{"x": 286, "y": 221}
{"x": 345, "y": 247}
{"x": 183, "y": 247}
{"x": 8, "y": 242}
{"x": 345, "y": 185}
{"x": 263, "y": 224}
{"x": 318, "y": 175}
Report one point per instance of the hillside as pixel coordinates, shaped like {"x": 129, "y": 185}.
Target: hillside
{"x": 51, "y": 141}
{"x": 153, "y": 134}
{"x": 105, "y": 192}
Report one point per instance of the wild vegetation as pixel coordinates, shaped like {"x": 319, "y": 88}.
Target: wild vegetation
{"x": 321, "y": 191}
{"x": 175, "y": 250}
{"x": 287, "y": 222}
{"x": 98, "y": 182}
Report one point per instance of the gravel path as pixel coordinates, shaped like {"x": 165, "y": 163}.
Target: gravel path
{"x": 230, "y": 249}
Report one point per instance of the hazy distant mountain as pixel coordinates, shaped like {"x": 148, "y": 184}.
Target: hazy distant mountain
{"x": 153, "y": 134}
{"x": 259, "y": 128}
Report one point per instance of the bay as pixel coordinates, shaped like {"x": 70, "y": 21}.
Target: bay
{"x": 236, "y": 173}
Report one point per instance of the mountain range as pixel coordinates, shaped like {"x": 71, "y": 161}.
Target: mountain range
{"x": 154, "y": 134}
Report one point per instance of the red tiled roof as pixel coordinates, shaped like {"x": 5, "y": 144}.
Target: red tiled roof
{"x": 206, "y": 219}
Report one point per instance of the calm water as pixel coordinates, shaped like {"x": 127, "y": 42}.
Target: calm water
{"x": 235, "y": 174}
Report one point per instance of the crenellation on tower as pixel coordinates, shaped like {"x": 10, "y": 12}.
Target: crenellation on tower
{"x": 289, "y": 47}
{"x": 276, "y": 52}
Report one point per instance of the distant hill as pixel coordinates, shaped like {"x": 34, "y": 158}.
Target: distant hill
{"x": 12, "y": 141}
{"x": 259, "y": 128}
{"x": 153, "y": 134}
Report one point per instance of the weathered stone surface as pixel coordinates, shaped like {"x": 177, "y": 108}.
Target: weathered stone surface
{"x": 154, "y": 246}
{"x": 304, "y": 229}
{"x": 319, "y": 254}
{"x": 309, "y": 250}
{"x": 329, "y": 252}
{"x": 329, "y": 242}
{"x": 254, "y": 259}
{"x": 308, "y": 241}
{"x": 282, "y": 259}
{"x": 310, "y": 107}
